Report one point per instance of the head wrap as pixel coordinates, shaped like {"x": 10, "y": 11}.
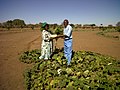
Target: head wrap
{"x": 44, "y": 24}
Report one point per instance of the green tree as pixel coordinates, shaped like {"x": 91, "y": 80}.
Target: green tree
{"x": 92, "y": 25}
{"x": 9, "y": 24}
{"x": 118, "y": 24}
{"x": 101, "y": 27}
{"x": 118, "y": 27}
{"x": 72, "y": 25}
{"x": 19, "y": 23}
{"x": 32, "y": 26}
{"x": 16, "y": 23}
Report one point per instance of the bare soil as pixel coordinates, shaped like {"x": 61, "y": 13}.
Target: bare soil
{"x": 12, "y": 44}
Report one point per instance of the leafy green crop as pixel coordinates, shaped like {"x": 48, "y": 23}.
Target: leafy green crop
{"x": 87, "y": 71}
{"x": 58, "y": 31}
{"x": 30, "y": 56}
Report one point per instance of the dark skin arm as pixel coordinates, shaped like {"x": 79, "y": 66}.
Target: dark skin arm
{"x": 63, "y": 36}
{"x": 58, "y": 36}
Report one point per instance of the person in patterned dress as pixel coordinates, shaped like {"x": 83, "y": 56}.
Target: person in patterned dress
{"x": 47, "y": 42}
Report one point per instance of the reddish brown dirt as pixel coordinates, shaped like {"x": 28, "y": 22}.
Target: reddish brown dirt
{"x": 11, "y": 69}
{"x": 12, "y": 44}
{"x": 91, "y": 42}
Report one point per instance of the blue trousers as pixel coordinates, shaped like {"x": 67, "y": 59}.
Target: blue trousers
{"x": 68, "y": 50}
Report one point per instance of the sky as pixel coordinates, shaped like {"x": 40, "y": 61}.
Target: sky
{"x": 97, "y": 12}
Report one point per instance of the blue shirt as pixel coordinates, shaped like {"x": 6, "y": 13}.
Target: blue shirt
{"x": 68, "y": 32}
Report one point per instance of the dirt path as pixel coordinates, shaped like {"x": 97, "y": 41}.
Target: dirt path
{"x": 12, "y": 44}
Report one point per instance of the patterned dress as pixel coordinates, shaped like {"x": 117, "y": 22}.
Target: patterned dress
{"x": 47, "y": 45}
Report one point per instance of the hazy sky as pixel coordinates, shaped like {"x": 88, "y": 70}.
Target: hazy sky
{"x": 55, "y": 11}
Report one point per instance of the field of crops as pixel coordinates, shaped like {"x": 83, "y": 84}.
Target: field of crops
{"x": 87, "y": 71}
{"x": 12, "y": 44}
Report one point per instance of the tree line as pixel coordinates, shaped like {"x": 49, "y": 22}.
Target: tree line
{"x": 18, "y": 23}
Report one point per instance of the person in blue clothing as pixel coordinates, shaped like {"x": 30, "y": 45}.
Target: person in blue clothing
{"x": 67, "y": 41}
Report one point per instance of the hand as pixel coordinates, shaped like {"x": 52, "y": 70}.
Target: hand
{"x": 60, "y": 36}
{"x": 55, "y": 37}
